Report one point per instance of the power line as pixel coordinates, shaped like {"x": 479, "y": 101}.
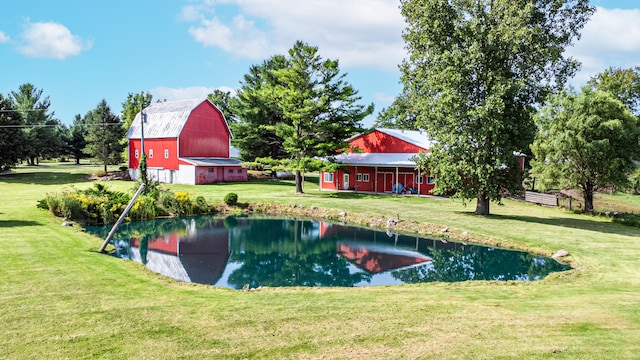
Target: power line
{"x": 55, "y": 125}
{"x": 16, "y": 110}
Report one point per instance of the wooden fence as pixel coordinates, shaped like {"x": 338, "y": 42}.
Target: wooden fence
{"x": 542, "y": 199}
{"x": 552, "y": 200}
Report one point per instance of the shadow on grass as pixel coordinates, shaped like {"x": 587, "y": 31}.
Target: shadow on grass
{"x": 17, "y": 223}
{"x": 582, "y": 224}
{"x": 43, "y": 178}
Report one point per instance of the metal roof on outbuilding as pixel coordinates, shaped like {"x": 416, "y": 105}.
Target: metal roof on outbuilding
{"x": 165, "y": 119}
{"x": 212, "y": 161}
{"x": 415, "y": 137}
{"x": 377, "y": 159}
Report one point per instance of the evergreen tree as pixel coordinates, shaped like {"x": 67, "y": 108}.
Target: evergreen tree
{"x": 11, "y": 135}
{"x": 104, "y": 135}
{"x": 257, "y": 113}
{"x": 319, "y": 108}
{"x": 41, "y": 131}
{"x": 77, "y": 139}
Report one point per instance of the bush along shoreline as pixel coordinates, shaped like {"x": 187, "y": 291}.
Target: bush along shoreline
{"x": 99, "y": 205}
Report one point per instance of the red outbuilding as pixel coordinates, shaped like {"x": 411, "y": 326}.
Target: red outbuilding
{"x": 186, "y": 142}
{"x": 382, "y": 162}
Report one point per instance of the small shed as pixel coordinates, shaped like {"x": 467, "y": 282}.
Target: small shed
{"x": 186, "y": 142}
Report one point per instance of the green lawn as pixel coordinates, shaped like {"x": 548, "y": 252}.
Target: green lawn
{"x": 62, "y": 299}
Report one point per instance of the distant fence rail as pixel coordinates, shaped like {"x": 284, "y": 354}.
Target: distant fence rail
{"x": 542, "y": 199}
{"x": 552, "y": 200}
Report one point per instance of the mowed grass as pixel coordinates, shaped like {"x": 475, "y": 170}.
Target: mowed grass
{"x": 62, "y": 299}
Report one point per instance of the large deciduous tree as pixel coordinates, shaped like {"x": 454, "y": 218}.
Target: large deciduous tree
{"x": 400, "y": 115}
{"x": 11, "y": 135}
{"x": 319, "y": 107}
{"x": 624, "y": 84}
{"x": 586, "y": 141}
{"x": 223, "y": 100}
{"x": 473, "y": 72}
{"x": 104, "y": 135}
{"x": 133, "y": 105}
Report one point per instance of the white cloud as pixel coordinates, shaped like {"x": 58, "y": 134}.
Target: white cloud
{"x": 611, "y": 38}
{"x": 357, "y": 32}
{"x": 384, "y": 98}
{"x": 51, "y": 40}
{"x": 193, "y": 92}
{"x": 4, "y": 38}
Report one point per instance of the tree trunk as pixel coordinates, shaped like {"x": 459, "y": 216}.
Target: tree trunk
{"x": 298, "y": 182}
{"x": 482, "y": 205}
{"x": 588, "y": 201}
{"x": 105, "y": 168}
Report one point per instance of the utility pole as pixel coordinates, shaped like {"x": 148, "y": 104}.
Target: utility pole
{"x": 143, "y": 119}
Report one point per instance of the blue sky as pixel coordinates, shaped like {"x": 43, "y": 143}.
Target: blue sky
{"x": 80, "y": 52}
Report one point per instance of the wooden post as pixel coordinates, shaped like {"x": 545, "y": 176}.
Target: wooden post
{"x": 121, "y": 218}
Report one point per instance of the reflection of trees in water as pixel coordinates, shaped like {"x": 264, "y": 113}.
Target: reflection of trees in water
{"x": 479, "y": 263}
{"x": 281, "y": 252}
{"x": 152, "y": 229}
{"x": 288, "y": 253}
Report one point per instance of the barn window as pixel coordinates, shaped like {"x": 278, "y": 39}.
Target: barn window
{"x": 210, "y": 170}
{"x": 230, "y": 171}
{"x": 431, "y": 179}
{"x": 328, "y": 177}
{"x": 137, "y": 154}
{"x": 365, "y": 177}
{"x": 151, "y": 153}
{"x": 239, "y": 171}
{"x": 359, "y": 177}
{"x": 419, "y": 179}
{"x": 166, "y": 153}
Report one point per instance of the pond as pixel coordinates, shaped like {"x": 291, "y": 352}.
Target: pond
{"x": 272, "y": 252}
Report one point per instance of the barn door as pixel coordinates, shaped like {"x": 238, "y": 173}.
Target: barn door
{"x": 345, "y": 181}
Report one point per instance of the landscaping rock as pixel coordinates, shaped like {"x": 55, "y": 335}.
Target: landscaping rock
{"x": 66, "y": 223}
{"x": 342, "y": 214}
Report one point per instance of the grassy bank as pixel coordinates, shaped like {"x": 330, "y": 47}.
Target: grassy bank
{"x": 62, "y": 299}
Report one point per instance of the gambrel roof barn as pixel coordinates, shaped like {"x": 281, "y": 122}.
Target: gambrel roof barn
{"x": 186, "y": 142}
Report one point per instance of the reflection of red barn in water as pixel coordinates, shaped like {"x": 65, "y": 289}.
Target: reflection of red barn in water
{"x": 199, "y": 256}
{"x": 372, "y": 257}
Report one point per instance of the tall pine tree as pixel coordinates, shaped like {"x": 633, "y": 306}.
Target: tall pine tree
{"x": 104, "y": 135}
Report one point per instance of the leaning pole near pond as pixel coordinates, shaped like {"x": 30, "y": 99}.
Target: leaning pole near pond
{"x": 122, "y": 216}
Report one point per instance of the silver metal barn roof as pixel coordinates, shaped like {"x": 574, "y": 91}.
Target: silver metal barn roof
{"x": 377, "y": 159}
{"x": 165, "y": 119}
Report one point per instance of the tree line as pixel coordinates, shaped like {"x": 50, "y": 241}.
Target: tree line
{"x": 30, "y": 132}
{"x": 486, "y": 79}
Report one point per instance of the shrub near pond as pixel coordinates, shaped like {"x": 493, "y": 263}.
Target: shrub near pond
{"x": 99, "y": 205}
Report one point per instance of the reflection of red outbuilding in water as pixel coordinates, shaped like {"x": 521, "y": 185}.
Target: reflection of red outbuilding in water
{"x": 371, "y": 257}
{"x": 200, "y": 256}
{"x": 377, "y": 260}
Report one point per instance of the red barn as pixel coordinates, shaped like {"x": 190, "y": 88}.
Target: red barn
{"x": 186, "y": 142}
{"x": 382, "y": 164}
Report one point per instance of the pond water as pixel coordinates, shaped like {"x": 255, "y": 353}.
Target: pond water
{"x": 259, "y": 251}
